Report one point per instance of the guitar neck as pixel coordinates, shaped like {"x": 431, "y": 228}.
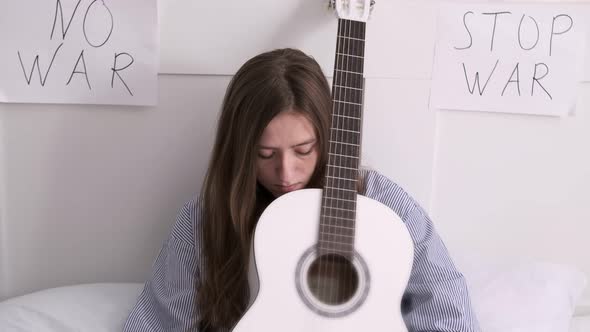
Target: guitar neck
{"x": 339, "y": 197}
{"x": 347, "y": 96}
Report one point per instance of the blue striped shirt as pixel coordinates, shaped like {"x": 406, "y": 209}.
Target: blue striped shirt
{"x": 436, "y": 297}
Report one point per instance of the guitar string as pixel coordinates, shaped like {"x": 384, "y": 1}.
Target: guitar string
{"x": 360, "y": 85}
{"x": 361, "y": 80}
{"x": 338, "y": 192}
{"x": 340, "y": 285}
{"x": 334, "y": 212}
{"x": 324, "y": 244}
{"x": 340, "y": 280}
{"x": 343, "y": 159}
{"x": 342, "y": 206}
{"x": 348, "y": 160}
{"x": 349, "y": 135}
{"x": 353, "y": 67}
{"x": 331, "y": 276}
{"x": 346, "y": 114}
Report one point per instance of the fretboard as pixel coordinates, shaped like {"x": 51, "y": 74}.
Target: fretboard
{"x": 338, "y": 212}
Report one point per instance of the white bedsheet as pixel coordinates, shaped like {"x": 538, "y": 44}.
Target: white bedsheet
{"x": 524, "y": 297}
{"x": 104, "y": 308}
{"x": 580, "y": 324}
{"x": 88, "y": 308}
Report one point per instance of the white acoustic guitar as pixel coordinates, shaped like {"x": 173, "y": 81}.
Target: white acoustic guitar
{"x": 332, "y": 260}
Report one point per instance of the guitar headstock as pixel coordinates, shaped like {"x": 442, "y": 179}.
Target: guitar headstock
{"x": 356, "y": 10}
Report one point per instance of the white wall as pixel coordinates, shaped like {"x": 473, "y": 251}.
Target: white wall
{"x": 515, "y": 186}
{"x": 3, "y": 248}
{"x": 90, "y": 192}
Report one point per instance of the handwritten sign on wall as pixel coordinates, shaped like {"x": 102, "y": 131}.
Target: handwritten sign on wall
{"x": 509, "y": 58}
{"x": 79, "y": 51}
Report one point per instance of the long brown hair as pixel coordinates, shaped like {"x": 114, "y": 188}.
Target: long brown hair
{"x": 232, "y": 200}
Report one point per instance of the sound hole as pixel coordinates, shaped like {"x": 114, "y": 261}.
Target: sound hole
{"x": 332, "y": 279}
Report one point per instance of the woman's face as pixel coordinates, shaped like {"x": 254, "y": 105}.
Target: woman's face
{"x": 286, "y": 153}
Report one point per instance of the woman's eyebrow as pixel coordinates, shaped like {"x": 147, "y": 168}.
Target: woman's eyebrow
{"x": 309, "y": 141}
{"x": 306, "y": 142}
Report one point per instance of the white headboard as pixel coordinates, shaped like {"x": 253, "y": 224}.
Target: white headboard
{"x": 88, "y": 193}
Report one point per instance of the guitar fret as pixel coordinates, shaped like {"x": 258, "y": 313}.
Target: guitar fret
{"x": 340, "y": 222}
{"x": 350, "y": 55}
{"x": 348, "y": 174}
{"x": 342, "y": 158}
{"x": 342, "y": 155}
{"x": 347, "y": 110}
{"x": 352, "y": 38}
{"x": 348, "y": 67}
{"x": 339, "y": 218}
{"x": 351, "y": 168}
{"x": 349, "y": 64}
{"x": 345, "y": 125}
{"x": 348, "y": 72}
{"x": 345, "y": 150}
{"x": 334, "y": 250}
{"x": 347, "y": 102}
{"x": 340, "y": 189}
{"x": 347, "y": 214}
{"x": 340, "y": 209}
{"x": 351, "y": 144}
{"x": 347, "y": 117}
{"x": 335, "y": 235}
{"x": 353, "y": 163}
{"x": 351, "y": 96}
{"x": 340, "y": 178}
{"x": 350, "y": 131}
{"x": 353, "y": 44}
{"x": 339, "y": 243}
{"x": 341, "y": 199}
{"x": 339, "y": 227}
{"x": 356, "y": 28}
{"x": 349, "y": 193}
{"x": 355, "y": 81}
{"x": 346, "y": 135}
{"x": 347, "y": 87}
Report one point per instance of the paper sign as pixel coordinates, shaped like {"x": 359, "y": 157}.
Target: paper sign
{"x": 79, "y": 51}
{"x": 508, "y": 58}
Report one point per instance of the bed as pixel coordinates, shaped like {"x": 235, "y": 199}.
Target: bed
{"x": 580, "y": 324}
{"x": 515, "y": 297}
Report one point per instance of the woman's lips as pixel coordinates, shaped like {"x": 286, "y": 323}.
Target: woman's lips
{"x": 289, "y": 188}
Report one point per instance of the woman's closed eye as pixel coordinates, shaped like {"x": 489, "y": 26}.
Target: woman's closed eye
{"x": 265, "y": 154}
{"x": 305, "y": 152}
{"x": 300, "y": 152}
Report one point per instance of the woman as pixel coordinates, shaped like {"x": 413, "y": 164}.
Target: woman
{"x": 272, "y": 139}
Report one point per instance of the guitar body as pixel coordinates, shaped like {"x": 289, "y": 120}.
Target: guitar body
{"x": 287, "y": 232}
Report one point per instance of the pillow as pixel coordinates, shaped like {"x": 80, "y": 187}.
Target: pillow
{"x": 88, "y": 307}
{"x": 522, "y": 296}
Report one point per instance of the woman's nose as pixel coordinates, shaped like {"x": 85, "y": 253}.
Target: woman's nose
{"x": 286, "y": 168}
